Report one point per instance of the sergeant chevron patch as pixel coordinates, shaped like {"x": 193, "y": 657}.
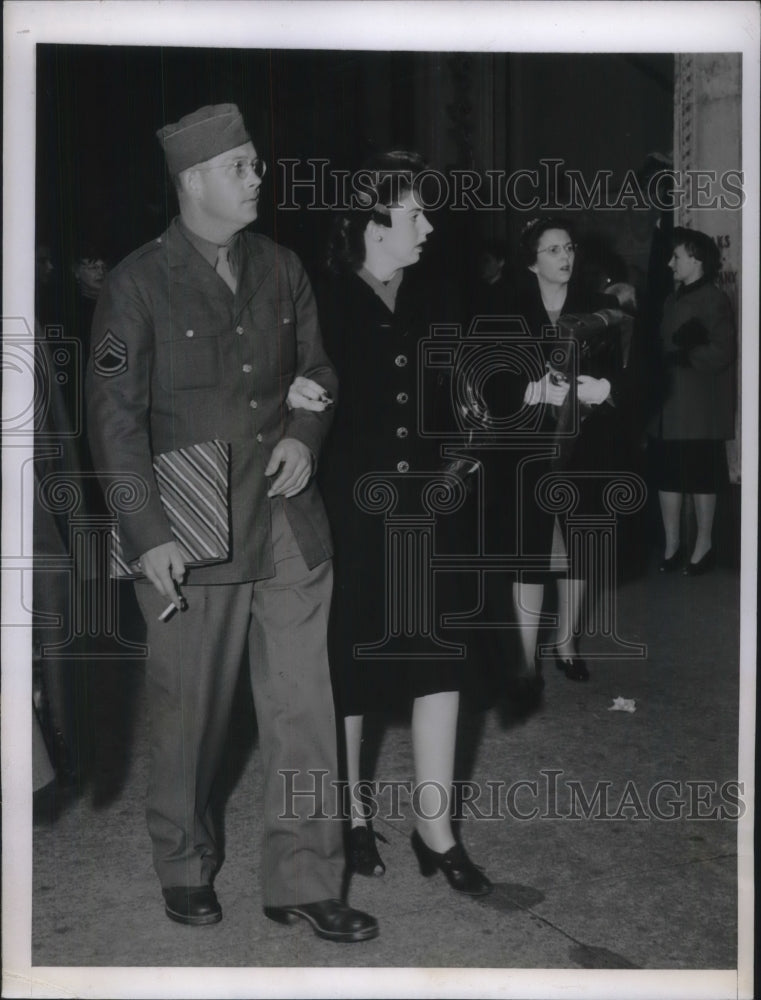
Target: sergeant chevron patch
{"x": 110, "y": 356}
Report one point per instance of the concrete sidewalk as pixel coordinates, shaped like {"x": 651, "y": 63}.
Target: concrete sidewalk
{"x": 598, "y": 864}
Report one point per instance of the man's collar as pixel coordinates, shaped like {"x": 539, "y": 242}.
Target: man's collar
{"x": 206, "y": 248}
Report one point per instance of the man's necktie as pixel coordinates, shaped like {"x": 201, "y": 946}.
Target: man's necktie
{"x": 224, "y": 270}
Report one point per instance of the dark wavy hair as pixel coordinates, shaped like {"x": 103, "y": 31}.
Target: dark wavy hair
{"x": 701, "y": 247}
{"x": 380, "y": 183}
{"x": 533, "y": 231}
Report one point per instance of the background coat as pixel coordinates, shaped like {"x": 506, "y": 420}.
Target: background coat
{"x": 700, "y": 401}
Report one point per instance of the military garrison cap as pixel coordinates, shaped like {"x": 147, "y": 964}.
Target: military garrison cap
{"x": 201, "y": 135}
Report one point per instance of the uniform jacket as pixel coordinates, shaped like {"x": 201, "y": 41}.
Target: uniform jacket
{"x": 700, "y": 401}
{"x": 178, "y": 360}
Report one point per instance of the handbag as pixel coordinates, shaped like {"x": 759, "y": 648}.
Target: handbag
{"x": 193, "y": 486}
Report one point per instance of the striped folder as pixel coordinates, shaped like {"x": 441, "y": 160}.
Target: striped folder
{"x": 193, "y": 484}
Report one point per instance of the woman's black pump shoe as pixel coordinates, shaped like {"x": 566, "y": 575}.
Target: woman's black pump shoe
{"x": 459, "y": 870}
{"x": 708, "y": 562}
{"x": 575, "y": 669}
{"x": 362, "y": 854}
{"x": 671, "y": 564}
{"x": 525, "y": 690}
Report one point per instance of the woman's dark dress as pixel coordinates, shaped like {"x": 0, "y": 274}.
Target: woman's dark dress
{"x": 375, "y": 353}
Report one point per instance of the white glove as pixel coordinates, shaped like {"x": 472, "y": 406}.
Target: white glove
{"x": 546, "y": 391}
{"x": 625, "y": 293}
{"x": 592, "y": 391}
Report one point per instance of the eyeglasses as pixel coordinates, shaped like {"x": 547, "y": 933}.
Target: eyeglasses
{"x": 242, "y": 168}
{"x": 556, "y": 249}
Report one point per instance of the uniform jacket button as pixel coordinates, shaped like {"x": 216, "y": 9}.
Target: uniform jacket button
{"x": 253, "y": 404}
{"x": 402, "y": 466}
{"x": 247, "y": 368}
{"x": 400, "y": 360}
{"x": 402, "y": 397}
{"x": 401, "y": 432}
{"x": 239, "y": 330}
{"x": 188, "y": 333}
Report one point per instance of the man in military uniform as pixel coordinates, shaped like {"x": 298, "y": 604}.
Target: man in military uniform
{"x": 198, "y": 336}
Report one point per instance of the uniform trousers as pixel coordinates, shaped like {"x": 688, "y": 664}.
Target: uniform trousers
{"x": 193, "y": 666}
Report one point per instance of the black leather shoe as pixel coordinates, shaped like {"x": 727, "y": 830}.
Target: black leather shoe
{"x": 330, "y": 919}
{"x": 671, "y": 564}
{"x": 196, "y": 904}
{"x": 575, "y": 669}
{"x": 362, "y": 855}
{"x": 459, "y": 870}
{"x": 702, "y": 565}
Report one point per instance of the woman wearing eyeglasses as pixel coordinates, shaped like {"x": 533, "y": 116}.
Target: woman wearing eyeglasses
{"x": 548, "y": 253}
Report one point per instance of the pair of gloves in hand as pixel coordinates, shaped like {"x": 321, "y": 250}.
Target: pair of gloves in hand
{"x": 690, "y": 334}
{"x": 550, "y": 389}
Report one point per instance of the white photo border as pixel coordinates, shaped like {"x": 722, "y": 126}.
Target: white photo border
{"x": 433, "y": 26}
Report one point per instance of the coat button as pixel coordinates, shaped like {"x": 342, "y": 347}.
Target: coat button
{"x": 248, "y": 368}
{"x": 400, "y": 360}
{"x": 253, "y": 404}
{"x": 402, "y": 466}
{"x": 402, "y": 397}
{"x": 401, "y": 432}
{"x": 188, "y": 333}
{"x": 259, "y": 438}
{"x": 239, "y": 330}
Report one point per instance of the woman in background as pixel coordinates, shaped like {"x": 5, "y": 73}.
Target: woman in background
{"x": 697, "y": 417}
{"x": 548, "y": 252}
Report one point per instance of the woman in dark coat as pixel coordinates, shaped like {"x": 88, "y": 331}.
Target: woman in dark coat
{"x": 548, "y": 252}
{"x": 697, "y": 417}
{"x": 372, "y": 315}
